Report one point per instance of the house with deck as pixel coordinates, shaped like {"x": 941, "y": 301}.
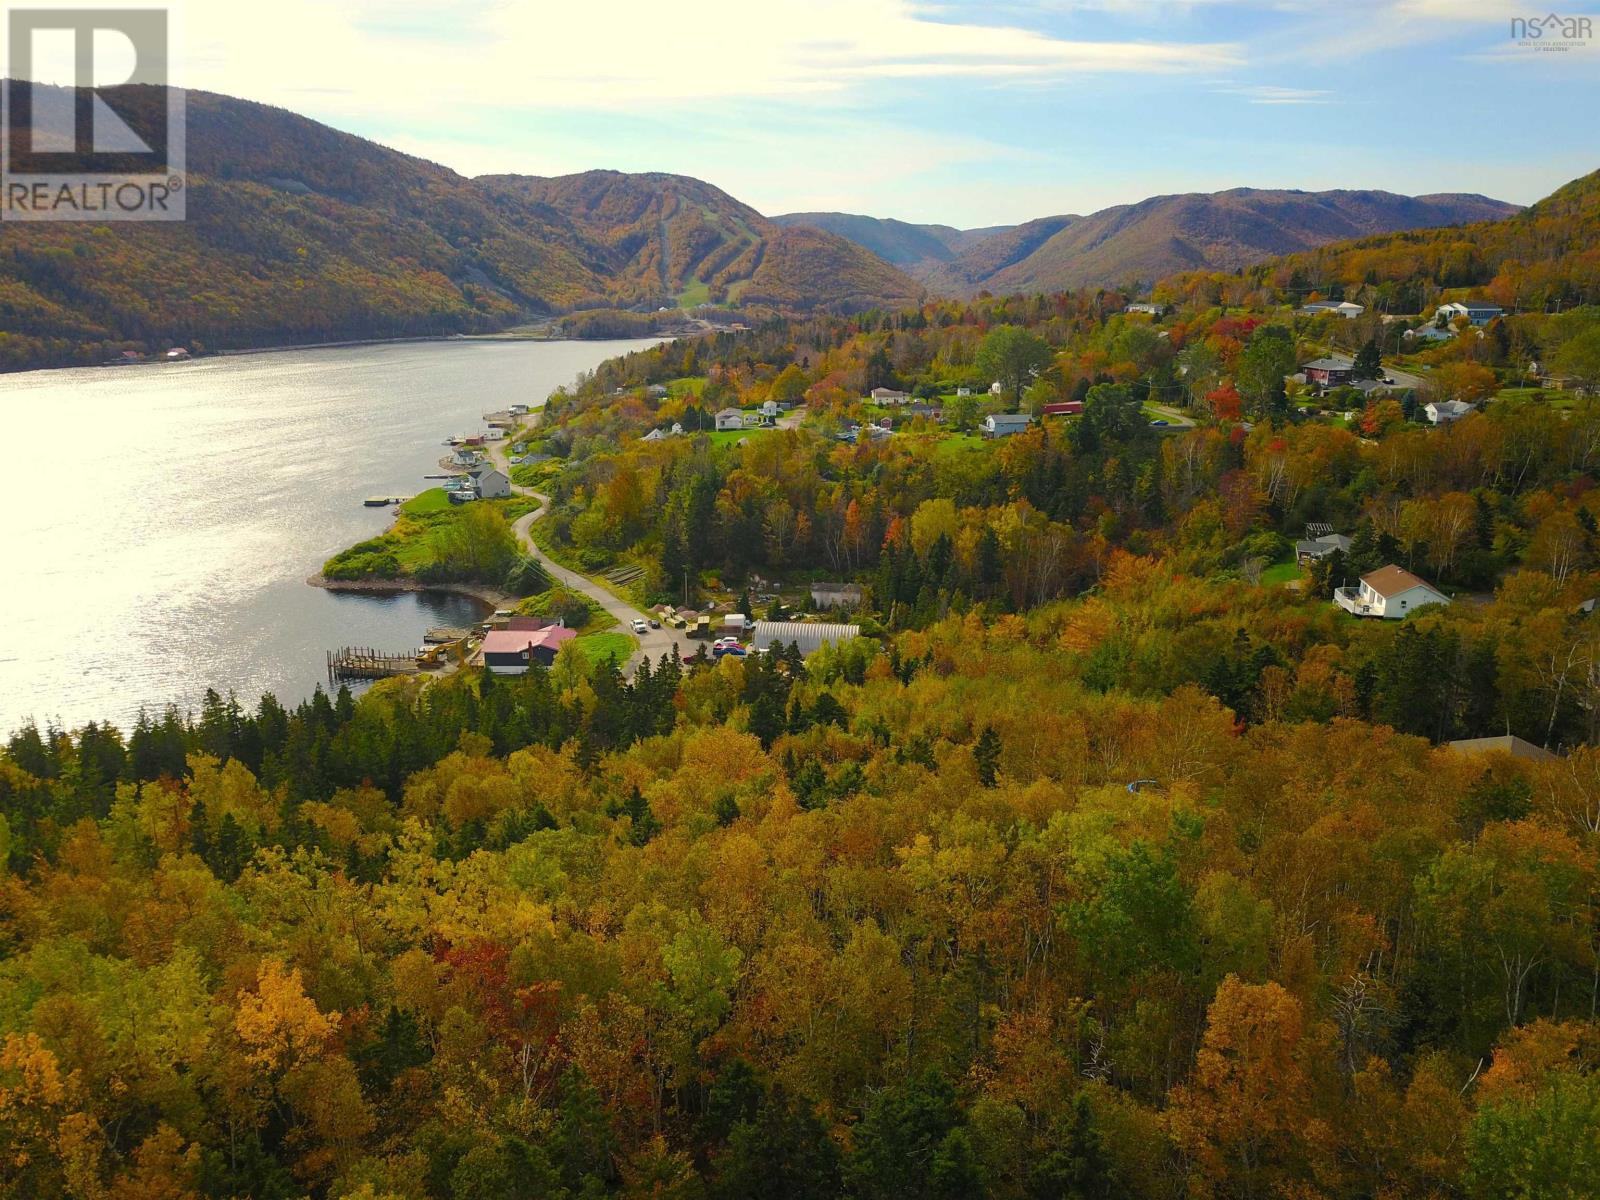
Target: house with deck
{"x": 1315, "y": 549}
{"x": 888, "y": 396}
{"x": 1390, "y": 592}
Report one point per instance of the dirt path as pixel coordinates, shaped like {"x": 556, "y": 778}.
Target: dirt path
{"x": 653, "y": 642}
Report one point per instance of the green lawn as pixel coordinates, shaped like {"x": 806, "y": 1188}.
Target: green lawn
{"x": 408, "y": 545}
{"x": 424, "y": 504}
{"x": 1279, "y": 574}
{"x": 686, "y": 385}
{"x": 698, "y": 292}
{"x": 731, "y": 437}
{"x": 959, "y": 443}
{"x": 597, "y": 647}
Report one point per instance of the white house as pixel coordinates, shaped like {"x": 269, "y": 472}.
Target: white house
{"x": 1442, "y": 412}
{"x": 655, "y": 435}
{"x": 889, "y": 396}
{"x": 963, "y": 391}
{"x": 1428, "y": 333}
{"x": 1337, "y": 308}
{"x": 997, "y": 425}
{"x": 490, "y": 484}
{"x": 1390, "y": 592}
{"x": 1475, "y": 311}
{"x": 770, "y": 409}
{"x": 730, "y": 418}
{"x": 1153, "y": 309}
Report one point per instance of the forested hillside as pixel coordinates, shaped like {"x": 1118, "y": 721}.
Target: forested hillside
{"x": 1113, "y": 860}
{"x": 681, "y": 240}
{"x": 1222, "y": 231}
{"x": 916, "y": 248}
{"x": 1545, "y": 258}
{"x": 297, "y": 232}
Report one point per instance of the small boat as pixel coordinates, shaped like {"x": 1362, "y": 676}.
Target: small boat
{"x": 377, "y": 501}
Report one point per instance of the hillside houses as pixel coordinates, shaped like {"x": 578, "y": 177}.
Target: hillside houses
{"x": 1335, "y": 308}
{"x": 1333, "y": 371}
{"x": 1389, "y": 593}
{"x": 1443, "y": 412}
{"x": 1476, "y": 312}
{"x": 999, "y": 425}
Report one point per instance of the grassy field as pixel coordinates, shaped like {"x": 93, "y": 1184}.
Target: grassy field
{"x": 597, "y": 647}
{"x": 959, "y": 443}
{"x": 686, "y": 385}
{"x": 731, "y": 437}
{"x": 408, "y": 545}
{"x": 1279, "y": 574}
{"x": 697, "y": 292}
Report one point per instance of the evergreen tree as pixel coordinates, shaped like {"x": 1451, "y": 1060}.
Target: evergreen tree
{"x": 1368, "y": 362}
{"x": 986, "y": 753}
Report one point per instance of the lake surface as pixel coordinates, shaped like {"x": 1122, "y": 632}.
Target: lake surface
{"x": 159, "y": 521}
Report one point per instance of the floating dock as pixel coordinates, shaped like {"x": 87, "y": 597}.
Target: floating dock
{"x": 445, "y": 633}
{"x": 384, "y": 501}
{"x": 363, "y": 662}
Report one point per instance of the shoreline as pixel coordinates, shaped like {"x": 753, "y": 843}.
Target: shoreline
{"x": 493, "y": 597}
{"x": 351, "y": 343}
{"x": 345, "y": 344}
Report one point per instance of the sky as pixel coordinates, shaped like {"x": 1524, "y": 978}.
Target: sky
{"x": 966, "y": 114}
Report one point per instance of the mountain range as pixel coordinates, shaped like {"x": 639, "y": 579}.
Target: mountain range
{"x": 1136, "y": 244}
{"x": 299, "y": 232}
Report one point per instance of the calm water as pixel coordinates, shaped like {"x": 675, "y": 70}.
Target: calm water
{"x": 159, "y": 522}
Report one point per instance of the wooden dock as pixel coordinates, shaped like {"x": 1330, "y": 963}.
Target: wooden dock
{"x": 363, "y": 662}
{"x": 445, "y": 633}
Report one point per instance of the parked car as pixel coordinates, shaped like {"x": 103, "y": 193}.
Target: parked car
{"x": 639, "y": 626}
{"x": 654, "y": 624}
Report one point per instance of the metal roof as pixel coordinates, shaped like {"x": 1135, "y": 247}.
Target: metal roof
{"x": 808, "y": 635}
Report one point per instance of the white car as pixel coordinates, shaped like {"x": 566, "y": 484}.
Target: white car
{"x": 640, "y": 627}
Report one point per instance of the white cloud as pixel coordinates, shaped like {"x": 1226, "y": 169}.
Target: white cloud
{"x": 618, "y": 54}
{"x": 1264, "y": 93}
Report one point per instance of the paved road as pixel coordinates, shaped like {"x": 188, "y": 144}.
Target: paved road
{"x": 1176, "y": 418}
{"x": 654, "y": 642}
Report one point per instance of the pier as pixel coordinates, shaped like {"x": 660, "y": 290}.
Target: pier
{"x": 358, "y": 662}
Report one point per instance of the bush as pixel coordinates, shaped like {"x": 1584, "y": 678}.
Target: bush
{"x": 526, "y": 577}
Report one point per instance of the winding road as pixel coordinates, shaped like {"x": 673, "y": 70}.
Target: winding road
{"x": 653, "y": 643}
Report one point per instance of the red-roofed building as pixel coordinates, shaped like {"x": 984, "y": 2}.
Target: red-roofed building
{"x": 513, "y": 651}
{"x": 1064, "y": 408}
